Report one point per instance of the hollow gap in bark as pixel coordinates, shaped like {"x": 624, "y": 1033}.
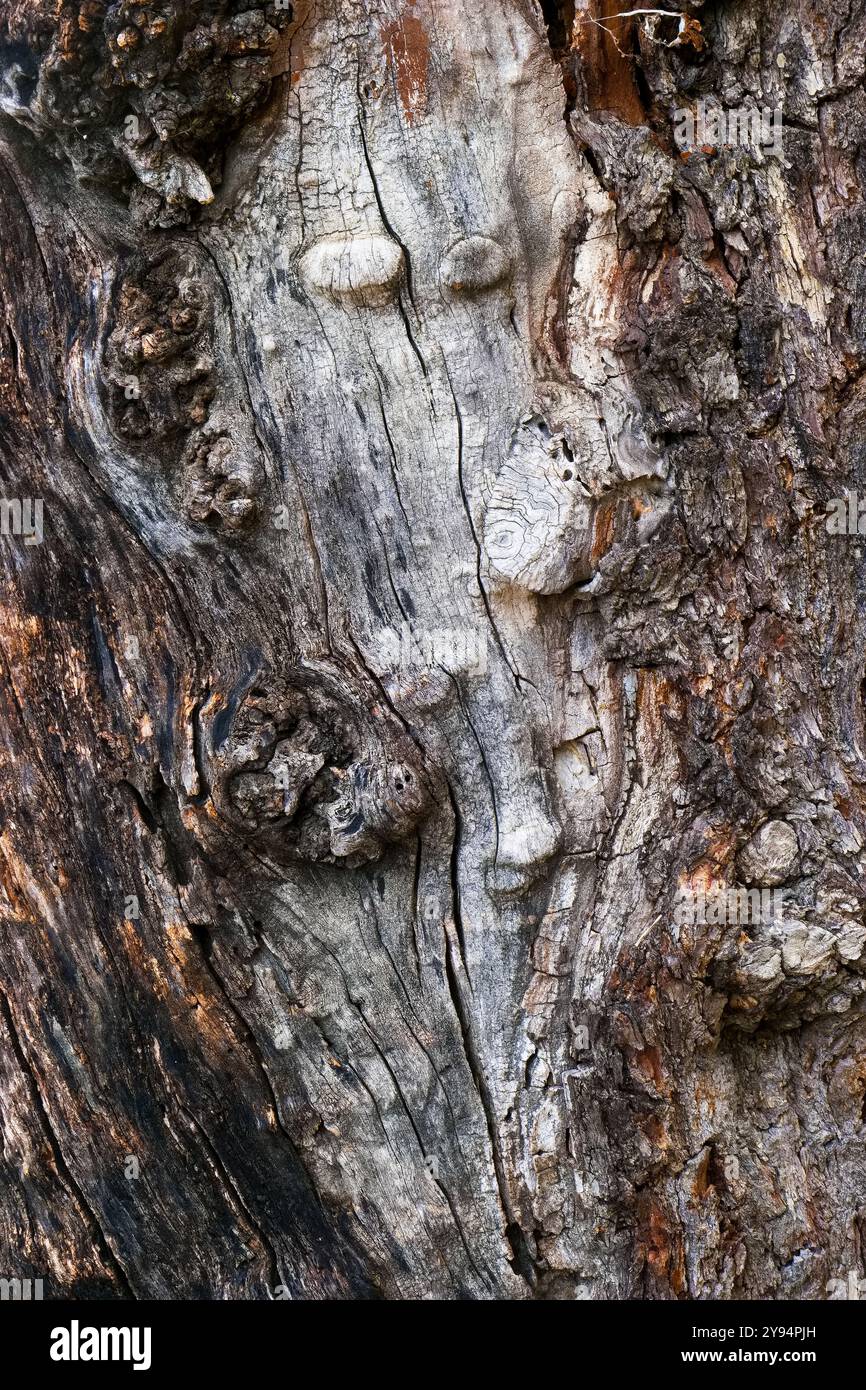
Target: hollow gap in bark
{"x": 605, "y": 49}
{"x": 559, "y": 18}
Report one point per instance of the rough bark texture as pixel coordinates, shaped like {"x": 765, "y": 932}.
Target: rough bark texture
{"x": 434, "y": 583}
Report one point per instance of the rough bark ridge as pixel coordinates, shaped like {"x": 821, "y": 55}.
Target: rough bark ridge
{"x": 434, "y": 584}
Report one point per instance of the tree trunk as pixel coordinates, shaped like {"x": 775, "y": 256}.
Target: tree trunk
{"x": 433, "y": 613}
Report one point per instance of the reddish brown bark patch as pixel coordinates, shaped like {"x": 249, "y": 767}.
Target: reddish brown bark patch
{"x": 603, "y": 530}
{"x": 703, "y": 1179}
{"x": 608, "y": 67}
{"x": 660, "y": 1246}
{"x": 407, "y": 52}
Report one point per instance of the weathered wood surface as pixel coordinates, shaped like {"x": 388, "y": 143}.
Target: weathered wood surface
{"x": 434, "y": 582}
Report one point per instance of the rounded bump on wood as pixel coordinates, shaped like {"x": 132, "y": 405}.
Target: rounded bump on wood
{"x": 529, "y": 840}
{"x": 364, "y": 270}
{"x": 538, "y": 522}
{"x": 220, "y": 483}
{"x": 474, "y": 264}
{"x": 140, "y": 99}
{"x": 158, "y": 366}
{"x": 771, "y": 855}
{"x": 306, "y": 771}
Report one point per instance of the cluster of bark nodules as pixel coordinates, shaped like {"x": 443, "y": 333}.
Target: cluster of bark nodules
{"x": 308, "y": 765}
{"x": 140, "y": 96}
{"x": 171, "y": 388}
{"x": 305, "y": 765}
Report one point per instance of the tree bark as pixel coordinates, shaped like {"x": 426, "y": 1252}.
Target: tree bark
{"x": 436, "y": 592}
